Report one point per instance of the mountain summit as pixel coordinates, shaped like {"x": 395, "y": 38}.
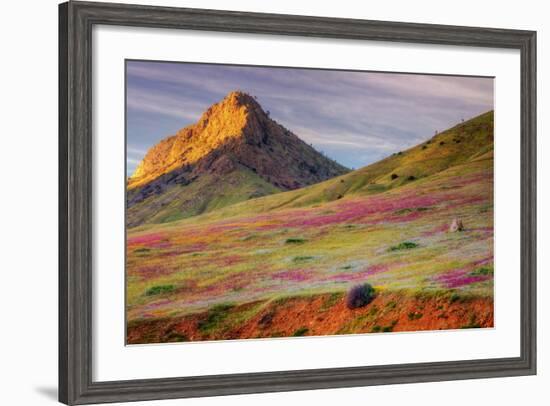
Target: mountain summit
{"x": 235, "y": 150}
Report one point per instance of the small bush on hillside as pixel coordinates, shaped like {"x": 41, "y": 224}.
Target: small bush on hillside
{"x": 411, "y": 177}
{"x": 302, "y": 258}
{"x": 159, "y": 289}
{"x": 300, "y": 332}
{"x": 389, "y": 329}
{"x": 472, "y": 323}
{"x": 295, "y": 240}
{"x": 442, "y": 143}
{"x": 215, "y": 315}
{"x": 406, "y": 245}
{"x": 454, "y": 297}
{"x": 174, "y": 337}
{"x": 482, "y": 271}
{"x": 266, "y": 319}
{"x": 394, "y": 176}
{"x": 424, "y": 146}
{"x": 414, "y": 316}
{"x": 359, "y": 296}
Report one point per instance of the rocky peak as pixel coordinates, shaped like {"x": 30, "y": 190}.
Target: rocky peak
{"x": 239, "y": 129}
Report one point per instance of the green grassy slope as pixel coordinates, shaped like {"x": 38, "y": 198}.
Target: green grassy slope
{"x": 207, "y": 193}
{"x": 467, "y": 141}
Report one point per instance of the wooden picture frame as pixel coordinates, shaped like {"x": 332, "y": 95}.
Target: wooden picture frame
{"x": 76, "y": 20}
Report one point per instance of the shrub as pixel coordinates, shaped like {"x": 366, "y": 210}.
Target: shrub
{"x": 300, "y": 332}
{"x": 482, "y": 271}
{"x": 454, "y": 297}
{"x": 215, "y": 315}
{"x": 389, "y": 329}
{"x": 424, "y": 146}
{"x": 442, "y": 143}
{"x": 394, "y": 176}
{"x": 406, "y": 245}
{"x": 414, "y": 316}
{"x": 174, "y": 337}
{"x": 347, "y": 267}
{"x": 142, "y": 250}
{"x": 359, "y": 296}
{"x": 472, "y": 323}
{"x": 411, "y": 177}
{"x": 159, "y": 289}
{"x": 302, "y": 258}
{"x": 266, "y": 319}
{"x": 295, "y": 240}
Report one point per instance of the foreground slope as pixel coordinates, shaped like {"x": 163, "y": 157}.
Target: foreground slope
{"x": 233, "y": 153}
{"x": 280, "y": 265}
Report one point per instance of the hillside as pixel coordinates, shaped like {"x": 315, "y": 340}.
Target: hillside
{"x": 281, "y": 265}
{"x": 467, "y": 141}
{"x": 233, "y": 153}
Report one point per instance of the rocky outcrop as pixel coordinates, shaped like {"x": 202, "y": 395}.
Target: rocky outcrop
{"x": 234, "y": 134}
{"x": 239, "y": 128}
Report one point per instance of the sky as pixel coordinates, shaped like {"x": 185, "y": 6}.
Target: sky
{"x": 356, "y": 118}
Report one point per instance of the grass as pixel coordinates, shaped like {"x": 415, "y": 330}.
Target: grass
{"x": 209, "y": 192}
{"x": 331, "y": 301}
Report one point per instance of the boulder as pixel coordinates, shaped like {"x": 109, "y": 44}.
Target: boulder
{"x": 456, "y": 225}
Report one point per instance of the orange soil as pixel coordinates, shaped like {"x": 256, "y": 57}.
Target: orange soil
{"x": 324, "y": 314}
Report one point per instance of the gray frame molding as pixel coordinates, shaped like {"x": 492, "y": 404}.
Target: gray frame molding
{"x": 76, "y": 20}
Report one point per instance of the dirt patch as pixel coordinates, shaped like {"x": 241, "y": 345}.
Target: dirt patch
{"x": 325, "y": 314}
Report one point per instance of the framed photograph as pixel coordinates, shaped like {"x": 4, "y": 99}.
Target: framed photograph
{"x": 257, "y": 202}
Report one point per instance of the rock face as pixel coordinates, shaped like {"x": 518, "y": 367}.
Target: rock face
{"x": 235, "y": 134}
